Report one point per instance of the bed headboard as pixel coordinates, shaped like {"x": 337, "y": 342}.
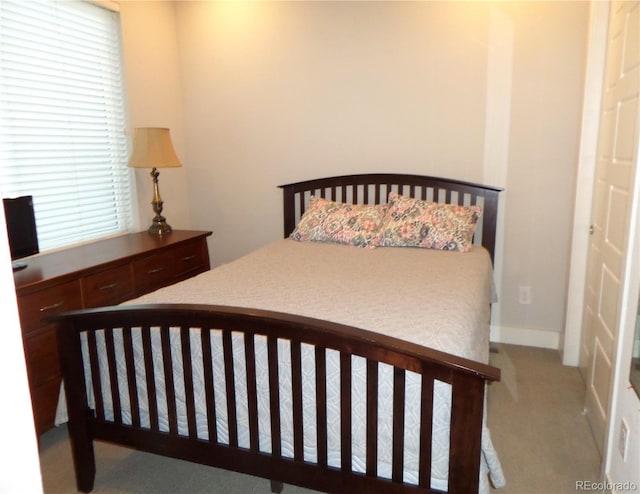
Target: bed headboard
{"x": 375, "y": 188}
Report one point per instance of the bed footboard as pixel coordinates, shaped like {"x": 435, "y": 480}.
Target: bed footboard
{"x": 188, "y": 381}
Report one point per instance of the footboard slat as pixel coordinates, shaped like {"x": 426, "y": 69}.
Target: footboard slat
{"x": 398, "y": 423}
{"x": 296, "y": 395}
{"x": 187, "y": 372}
{"x": 207, "y": 370}
{"x": 229, "y": 377}
{"x": 150, "y": 379}
{"x": 321, "y": 404}
{"x": 113, "y": 376}
{"x": 131, "y": 377}
{"x": 274, "y": 395}
{"x": 252, "y": 392}
{"x": 345, "y": 411}
{"x": 350, "y": 365}
{"x": 170, "y": 390}
{"x": 372, "y": 418}
{"x": 426, "y": 425}
{"x": 95, "y": 375}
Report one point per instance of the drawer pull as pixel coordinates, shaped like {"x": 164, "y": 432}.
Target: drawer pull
{"x": 189, "y": 258}
{"x": 156, "y": 270}
{"x": 47, "y": 308}
{"x": 110, "y": 286}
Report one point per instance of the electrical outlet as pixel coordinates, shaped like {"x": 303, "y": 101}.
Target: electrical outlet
{"x": 623, "y": 440}
{"x": 524, "y": 295}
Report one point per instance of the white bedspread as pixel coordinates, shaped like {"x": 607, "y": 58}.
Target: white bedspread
{"x": 433, "y": 298}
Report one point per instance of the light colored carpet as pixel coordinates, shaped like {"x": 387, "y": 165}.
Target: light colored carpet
{"x": 535, "y": 417}
{"x": 537, "y": 423}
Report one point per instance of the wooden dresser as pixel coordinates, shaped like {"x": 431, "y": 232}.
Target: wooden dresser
{"x": 102, "y": 273}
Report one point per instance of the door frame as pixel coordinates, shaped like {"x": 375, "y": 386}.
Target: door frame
{"x": 592, "y": 103}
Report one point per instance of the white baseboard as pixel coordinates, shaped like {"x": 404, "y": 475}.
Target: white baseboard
{"x": 527, "y": 337}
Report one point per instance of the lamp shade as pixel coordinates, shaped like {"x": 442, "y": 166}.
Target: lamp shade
{"x": 152, "y": 148}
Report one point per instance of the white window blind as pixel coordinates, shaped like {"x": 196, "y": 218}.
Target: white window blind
{"x": 62, "y": 118}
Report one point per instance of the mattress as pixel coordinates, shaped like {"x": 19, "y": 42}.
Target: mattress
{"x": 438, "y": 299}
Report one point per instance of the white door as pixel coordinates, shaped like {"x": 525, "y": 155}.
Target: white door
{"x": 615, "y": 170}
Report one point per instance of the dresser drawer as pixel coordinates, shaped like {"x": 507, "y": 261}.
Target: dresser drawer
{"x": 154, "y": 271}
{"x": 41, "y": 353}
{"x": 189, "y": 258}
{"x": 44, "y": 399}
{"x": 108, "y": 287}
{"x": 36, "y": 307}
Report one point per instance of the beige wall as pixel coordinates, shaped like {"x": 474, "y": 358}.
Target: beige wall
{"x": 274, "y": 92}
{"x": 279, "y": 92}
{"x": 547, "y": 88}
{"x": 153, "y": 85}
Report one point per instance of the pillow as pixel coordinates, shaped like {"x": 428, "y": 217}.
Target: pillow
{"x": 414, "y": 223}
{"x": 328, "y": 221}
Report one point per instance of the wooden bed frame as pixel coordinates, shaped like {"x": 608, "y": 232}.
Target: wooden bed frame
{"x": 466, "y": 377}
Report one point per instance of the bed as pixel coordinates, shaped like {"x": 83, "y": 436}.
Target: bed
{"x": 331, "y": 366}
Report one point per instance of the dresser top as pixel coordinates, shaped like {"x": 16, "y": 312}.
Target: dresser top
{"x": 69, "y": 262}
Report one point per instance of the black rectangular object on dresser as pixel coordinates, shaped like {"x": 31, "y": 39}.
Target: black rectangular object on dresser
{"x": 21, "y": 226}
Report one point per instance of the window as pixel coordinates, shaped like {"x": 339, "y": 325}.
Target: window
{"x": 63, "y": 136}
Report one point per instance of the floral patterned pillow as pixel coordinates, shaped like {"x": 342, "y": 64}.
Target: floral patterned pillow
{"x": 414, "y": 223}
{"x": 328, "y": 221}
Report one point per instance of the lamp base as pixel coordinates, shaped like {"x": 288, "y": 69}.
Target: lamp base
{"x": 159, "y": 227}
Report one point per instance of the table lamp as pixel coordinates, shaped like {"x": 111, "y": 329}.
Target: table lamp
{"x": 152, "y": 148}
